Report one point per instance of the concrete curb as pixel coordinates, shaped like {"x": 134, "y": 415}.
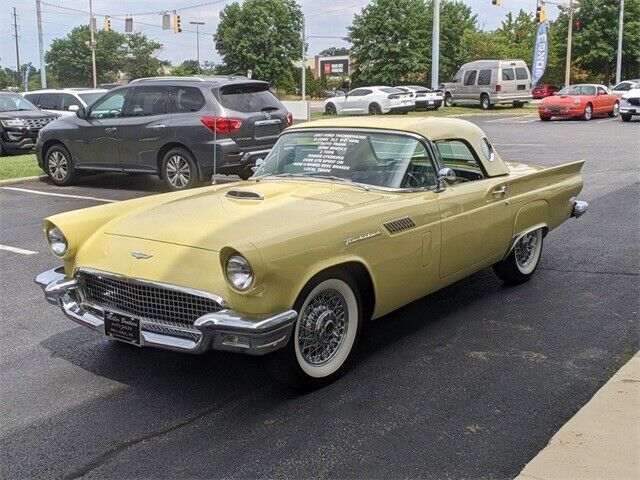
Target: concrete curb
{"x": 11, "y": 181}
{"x": 602, "y": 440}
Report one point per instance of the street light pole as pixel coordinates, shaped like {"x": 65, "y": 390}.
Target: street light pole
{"x": 567, "y": 71}
{"x": 435, "y": 46}
{"x": 92, "y": 46}
{"x": 43, "y": 70}
{"x": 620, "y": 29}
{"x": 197, "y": 24}
{"x": 304, "y": 63}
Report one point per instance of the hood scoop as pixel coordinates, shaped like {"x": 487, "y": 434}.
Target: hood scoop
{"x": 244, "y": 195}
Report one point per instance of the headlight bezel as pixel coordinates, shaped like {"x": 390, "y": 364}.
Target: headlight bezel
{"x": 57, "y": 241}
{"x": 13, "y": 122}
{"x": 238, "y": 272}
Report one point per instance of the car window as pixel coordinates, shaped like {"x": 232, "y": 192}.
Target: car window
{"x": 89, "y": 98}
{"x": 602, "y": 90}
{"x": 109, "y": 106}
{"x": 392, "y": 90}
{"x": 68, "y": 100}
{"x": 508, "y": 74}
{"x": 622, "y": 87}
{"x": 13, "y": 102}
{"x": 358, "y": 92}
{"x": 148, "y": 101}
{"x": 247, "y": 97}
{"x": 521, "y": 73}
{"x": 32, "y": 97}
{"x": 186, "y": 99}
{"x": 484, "y": 77}
{"x": 457, "y": 78}
{"x": 458, "y": 156}
{"x": 470, "y": 77}
{"x": 50, "y": 101}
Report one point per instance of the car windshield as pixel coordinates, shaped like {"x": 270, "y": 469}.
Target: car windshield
{"x": 366, "y": 158}
{"x": 89, "y": 98}
{"x": 12, "y": 103}
{"x": 578, "y": 90}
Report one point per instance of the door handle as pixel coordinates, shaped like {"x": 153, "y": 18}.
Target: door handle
{"x": 156, "y": 127}
{"x": 500, "y": 191}
{"x": 110, "y": 129}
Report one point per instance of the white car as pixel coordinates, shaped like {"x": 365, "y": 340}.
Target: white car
{"x": 623, "y": 87}
{"x": 371, "y": 101}
{"x": 64, "y": 101}
{"x": 630, "y": 103}
{"x": 424, "y": 97}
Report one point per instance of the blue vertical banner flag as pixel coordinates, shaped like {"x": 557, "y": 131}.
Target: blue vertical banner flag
{"x": 540, "y": 53}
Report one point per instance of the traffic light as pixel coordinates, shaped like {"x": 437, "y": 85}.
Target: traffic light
{"x": 541, "y": 14}
{"x": 107, "y": 24}
{"x": 176, "y": 23}
{"x": 496, "y": 2}
{"x": 576, "y": 24}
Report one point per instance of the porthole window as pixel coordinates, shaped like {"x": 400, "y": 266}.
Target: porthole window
{"x": 487, "y": 149}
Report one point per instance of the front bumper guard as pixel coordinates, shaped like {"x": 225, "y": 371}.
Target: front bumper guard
{"x": 225, "y": 330}
{"x": 579, "y": 208}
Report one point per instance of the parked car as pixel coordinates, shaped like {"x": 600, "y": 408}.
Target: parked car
{"x": 333, "y": 93}
{"x": 424, "y": 97}
{"x": 580, "y": 101}
{"x": 346, "y": 220}
{"x": 370, "y": 100}
{"x": 543, "y": 91}
{"x": 623, "y": 87}
{"x": 64, "y": 102}
{"x": 179, "y": 128}
{"x": 630, "y": 103}
{"x": 20, "y": 122}
{"x": 490, "y": 82}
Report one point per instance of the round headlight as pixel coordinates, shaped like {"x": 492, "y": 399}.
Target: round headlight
{"x": 57, "y": 241}
{"x": 577, "y": 101}
{"x": 239, "y": 272}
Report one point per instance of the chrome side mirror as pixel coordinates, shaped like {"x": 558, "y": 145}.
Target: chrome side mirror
{"x": 446, "y": 176}
{"x": 73, "y": 108}
{"x": 257, "y": 165}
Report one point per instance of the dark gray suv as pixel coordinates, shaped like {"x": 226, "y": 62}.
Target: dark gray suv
{"x": 180, "y": 128}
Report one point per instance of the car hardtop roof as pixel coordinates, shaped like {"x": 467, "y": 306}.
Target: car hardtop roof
{"x": 213, "y": 80}
{"x": 68, "y": 90}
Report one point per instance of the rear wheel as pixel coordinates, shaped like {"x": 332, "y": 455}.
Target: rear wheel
{"x": 448, "y": 101}
{"x": 59, "y": 166}
{"x": 588, "y": 112}
{"x": 523, "y": 260}
{"x": 374, "y": 109}
{"x": 485, "y": 102}
{"x": 325, "y": 335}
{"x": 545, "y": 118}
{"x": 330, "y": 109}
{"x": 518, "y": 104}
{"x": 626, "y": 118}
{"x": 615, "y": 110}
{"x": 179, "y": 170}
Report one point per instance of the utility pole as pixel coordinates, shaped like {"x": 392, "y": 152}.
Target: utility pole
{"x": 92, "y": 45}
{"x": 435, "y": 46}
{"x": 620, "y": 29}
{"x": 15, "y": 34}
{"x": 43, "y": 71}
{"x": 197, "y": 24}
{"x": 304, "y": 63}
{"x": 567, "y": 71}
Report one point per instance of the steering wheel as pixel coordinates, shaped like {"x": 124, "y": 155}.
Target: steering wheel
{"x": 416, "y": 179}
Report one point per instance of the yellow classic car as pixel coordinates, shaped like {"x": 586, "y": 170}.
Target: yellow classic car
{"x": 344, "y": 221}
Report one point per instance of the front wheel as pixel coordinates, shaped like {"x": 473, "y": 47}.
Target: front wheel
{"x": 588, "y": 112}
{"x": 448, "y": 100}
{"x": 178, "y": 170}
{"x": 523, "y": 260}
{"x": 326, "y": 332}
{"x": 59, "y": 167}
{"x": 615, "y": 111}
{"x": 626, "y": 118}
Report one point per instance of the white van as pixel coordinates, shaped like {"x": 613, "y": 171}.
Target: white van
{"x": 490, "y": 82}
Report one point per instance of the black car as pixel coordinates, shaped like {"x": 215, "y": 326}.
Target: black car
{"x": 180, "y": 128}
{"x": 20, "y": 122}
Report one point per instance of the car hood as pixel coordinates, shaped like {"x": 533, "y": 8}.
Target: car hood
{"x": 633, "y": 93}
{"x": 564, "y": 99}
{"x": 217, "y": 217}
{"x": 25, "y": 114}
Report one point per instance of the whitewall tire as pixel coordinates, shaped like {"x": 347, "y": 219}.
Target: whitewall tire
{"x": 522, "y": 261}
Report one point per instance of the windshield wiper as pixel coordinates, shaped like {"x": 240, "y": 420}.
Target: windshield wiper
{"x": 337, "y": 179}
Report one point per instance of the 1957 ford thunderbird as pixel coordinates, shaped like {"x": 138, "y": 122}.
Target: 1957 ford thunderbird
{"x": 344, "y": 221}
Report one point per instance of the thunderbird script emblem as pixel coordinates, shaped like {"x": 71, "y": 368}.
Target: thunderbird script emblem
{"x": 140, "y": 255}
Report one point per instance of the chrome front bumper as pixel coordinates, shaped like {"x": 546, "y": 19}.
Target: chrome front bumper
{"x": 223, "y": 330}
{"x": 579, "y": 208}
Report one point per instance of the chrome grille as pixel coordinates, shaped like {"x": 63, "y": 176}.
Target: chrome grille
{"x": 37, "y": 122}
{"x": 399, "y": 224}
{"x": 159, "y": 305}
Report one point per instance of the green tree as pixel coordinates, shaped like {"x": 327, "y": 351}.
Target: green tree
{"x": 138, "y": 57}
{"x": 390, "y": 42}
{"x": 456, "y": 20}
{"x": 6, "y": 80}
{"x": 262, "y": 36}
{"x": 334, "y": 52}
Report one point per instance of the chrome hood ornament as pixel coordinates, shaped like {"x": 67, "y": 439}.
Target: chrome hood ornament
{"x": 140, "y": 255}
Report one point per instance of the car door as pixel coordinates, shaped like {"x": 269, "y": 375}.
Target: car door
{"x": 353, "y": 102}
{"x": 508, "y": 81}
{"x": 97, "y": 145}
{"x": 469, "y": 86}
{"x": 476, "y": 221}
{"x": 605, "y": 100}
{"x": 144, "y": 127}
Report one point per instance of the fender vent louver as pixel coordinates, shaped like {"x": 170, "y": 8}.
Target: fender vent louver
{"x": 244, "y": 195}
{"x": 399, "y": 224}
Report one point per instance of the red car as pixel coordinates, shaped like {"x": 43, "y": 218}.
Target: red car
{"x": 580, "y": 101}
{"x": 542, "y": 91}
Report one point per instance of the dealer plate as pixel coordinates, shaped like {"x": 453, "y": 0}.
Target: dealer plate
{"x": 122, "y": 327}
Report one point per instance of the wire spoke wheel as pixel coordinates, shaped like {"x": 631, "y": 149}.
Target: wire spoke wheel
{"x": 58, "y": 165}
{"x": 527, "y": 251}
{"x": 178, "y": 171}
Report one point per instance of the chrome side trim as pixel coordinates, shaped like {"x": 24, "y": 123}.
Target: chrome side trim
{"x": 517, "y": 237}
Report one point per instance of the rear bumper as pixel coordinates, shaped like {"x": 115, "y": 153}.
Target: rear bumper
{"x": 230, "y": 158}
{"x": 428, "y": 104}
{"x": 579, "y": 208}
{"x": 223, "y": 330}
{"x": 497, "y": 98}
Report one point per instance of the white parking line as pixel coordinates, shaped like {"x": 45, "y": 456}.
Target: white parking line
{"x": 606, "y": 120}
{"x": 65, "y": 195}
{"x": 21, "y": 251}
{"x": 519, "y": 144}
{"x": 514, "y": 119}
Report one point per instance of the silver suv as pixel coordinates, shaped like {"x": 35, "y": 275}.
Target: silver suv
{"x": 180, "y": 128}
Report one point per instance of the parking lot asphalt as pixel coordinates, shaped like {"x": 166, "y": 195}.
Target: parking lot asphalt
{"x": 470, "y": 382}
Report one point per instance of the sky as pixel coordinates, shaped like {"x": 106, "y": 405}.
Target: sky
{"x": 328, "y": 18}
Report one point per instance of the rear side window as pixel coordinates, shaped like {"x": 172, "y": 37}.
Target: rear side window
{"x": 187, "y": 99}
{"x": 50, "y": 101}
{"x": 458, "y": 156}
{"x": 507, "y": 74}
{"x": 68, "y": 100}
{"x": 484, "y": 77}
{"x": 32, "y": 97}
{"x": 248, "y": 97}
{"x": 470, "y": 77}
{"x": 147, "y": 101}
{"x": 521, "y": 73}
